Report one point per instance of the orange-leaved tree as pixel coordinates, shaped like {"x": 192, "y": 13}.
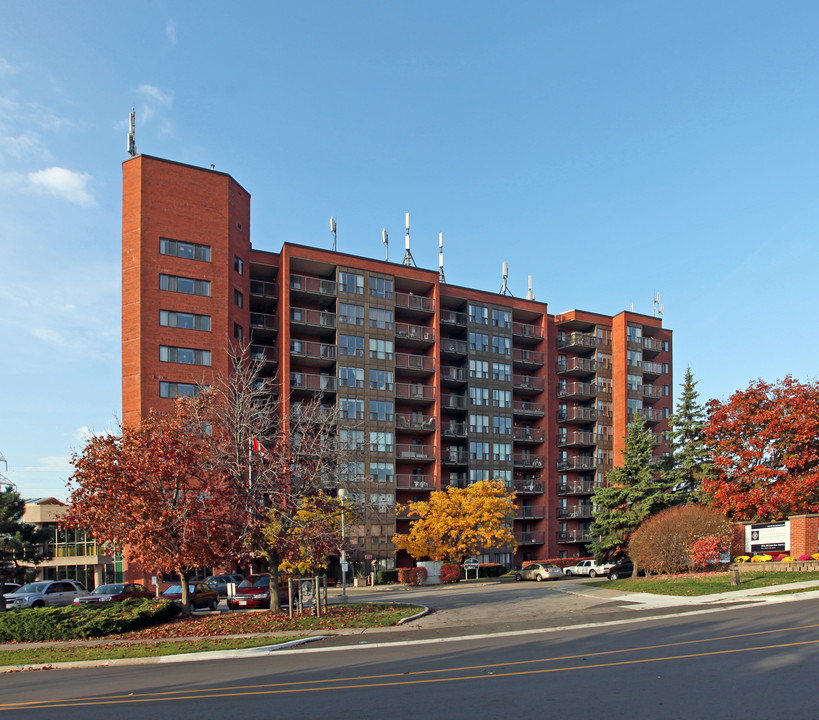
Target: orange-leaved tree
{"x": 457, "y": 523}
{"x": 150, "y": 494}
{"x": 763, "y": 444}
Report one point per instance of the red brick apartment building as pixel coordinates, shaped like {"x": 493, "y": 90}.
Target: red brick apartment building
{"x": 444, "y": 385}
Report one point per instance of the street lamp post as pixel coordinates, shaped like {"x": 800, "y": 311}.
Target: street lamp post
{"x": 342, "y": 494}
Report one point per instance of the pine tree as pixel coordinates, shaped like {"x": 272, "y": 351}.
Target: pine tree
{"x": 633, "y": 492}
{"x": 689, "y": 455}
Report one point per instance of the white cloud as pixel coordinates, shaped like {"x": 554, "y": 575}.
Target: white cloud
{"x": 6, "y": 68}
{"x": 52, "y": 337}
{"x": 62, "y": 183}
{"x": 152, "y": 92}
{"x": 54, "y": 462}
{"x": 170, "y": 31}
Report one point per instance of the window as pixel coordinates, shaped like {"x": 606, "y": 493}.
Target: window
{"x": 479, "y": 451}
{"x": 666, "y": 346}
{"x": 380, "y": 287}
{"x": 350, "y": 282}
{"x": 380, "y": 349}
{"x": 502, "y": 398}
{"x": 501, "y": 425}
{"x": 381, "y": 472}
{"x": 501, "y": 371}
{"x": 238, "y": 332}
{"x": 634, "y": 333}
{"x": 603, "y": 360}
{"x": 189, "y": 251}
{"x": 350, "y": 314}
{"x": 173, "y": 390}
{"x": 238, "y": 265}
{"x": 380, "y": 318}
{"x": 184, "y": 321}
{"x": 666, "y": 368}
{"x": 604, "y": 384}
{"x": 478, "y": 423}
{"x": 381, "y": 441}
{"x": 238, "y": 299}
{"x": 634, "y": 382}
{"x": 666, "y": 412}
{"x": 666, "y": 390}
{"x": 479, "y": 369}
{"x": 478, "y": 341}
{"x": 502, "y": 452}
{"x": 351, "y": 409}
{"x": 350, "y": 376}
{"x": 477, "y": 475}
{"x": 351, "y": 439}
{"x": 381, "y": 379}
{"x": 501, "y": 345}
{"x": 479, "y": 396}
{"x": 381, "y": 410}
{"x": 634, "y": 358}
{"x": 604, "y": 408}
{"x": 501, "y": 318}
{"x": 604, "y": 336}
{"x": 635, "y": 405}
{"x": 185, "y": 356}
{"x": 351, "y": 471}
{"x": 188, "y": 286}
{"x": 479, "y": 314}
{"x": 382, "y": 502}
{"x": 350, "y": 345}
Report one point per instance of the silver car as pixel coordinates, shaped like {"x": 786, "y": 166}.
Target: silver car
{"x": 45, "y": 593}
{"x": 538, "y": 571}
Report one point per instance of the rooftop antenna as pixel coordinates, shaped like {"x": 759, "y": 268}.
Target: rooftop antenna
{"x": 408, "y": 259}
{"x": 333, "y": 230}
{"x": 658, "y": 307}
{"x": 3, "y": 479}
{"x": 504, "y": 289}
{"x": 386, "y": 240}
{"x": 132, "y": 151}
{"x": 441, "y": 277}
{"x": 530, "y": 295}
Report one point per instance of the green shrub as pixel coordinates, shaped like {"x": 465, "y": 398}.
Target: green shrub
{"x": 385, "y": 577}
{"x": 86, "y": 621}
{"x": 491, "y": 570}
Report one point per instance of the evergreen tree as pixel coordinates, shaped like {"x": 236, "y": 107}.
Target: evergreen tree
{"x": 634, "y": 490}
{"x": 688, "y": 463}
{"x": 21, "y": 543}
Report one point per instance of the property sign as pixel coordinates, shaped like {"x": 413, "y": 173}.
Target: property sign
{"x": 768, "y": 537}
{"x": 471, "y": 563}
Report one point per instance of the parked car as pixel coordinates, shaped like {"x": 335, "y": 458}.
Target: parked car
{"x": 538, "y": 571}
{"x": 115, "y": 592}
{"x": 588, "y": 567}
{"x": 254, "y": 592}
{"x": 621, "y": 569}
{"x": 44, "y": 593}
{"x": 202, "y": 595}
{"x": 11, "y": 587}
{"x": 220, "y": 582}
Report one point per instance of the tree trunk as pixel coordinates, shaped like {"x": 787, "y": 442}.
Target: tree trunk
{"x": 273, "y": 570}
{"x": 186, "y": 593}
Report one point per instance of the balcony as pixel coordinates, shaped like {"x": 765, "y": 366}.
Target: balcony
{"x": 424, "y": 453}
{"x": 312, "y": 383}
{"x": 651, "y": 393}
{"x": 264, "y": 326}
{"x": 577, "y": 464}
{"x": 577, "y": 391}
{"x": 652, "y": 369}
{"x": 319, "y": 321}
{"x": 576, "y": 438}
{"x": 528, "y": 434}
{"x": 573, "y": 536}
{"x": 405, "y": 481}
{"x": 414, "y": 334}
{"x": 577, "y": 487}
{"x": 652, "y": 346}
{"x": 264, "y": 294}
{"x": 415, "y": 392}
{"x": 415, "y": 364}
{"x": 312, "y": 287}
{"x": 527, "y": 487}
{"x": 414, "y": 304}
{"x": 453, "y": 374}
{"x": 530, "y": 512}
{"x": 259, "y": 353}
{"x": 527, "y": 358}
{"x": 454, "y": 456}
{"x": 313, "y": 353}
{"x": 577, "y": 342}
{"x": 577, "y": 367}
{"x": 578, "y": 415}
{"x": 578, "y": 512}
{"x": 453, "y": 402}
{"x": 524, "y": 408}
{"x": 525, "y": 333}
{"x": 451, "y": 317}
{"x": 527, "y": 460}
{"x": 450, "y": 347}
{"x": 530, "y": 538}
{"x": 528, "y": 384}
{"x": 413, "y": 422}
{"x": 453, "y": 429}
{"x": 650, "y": 415}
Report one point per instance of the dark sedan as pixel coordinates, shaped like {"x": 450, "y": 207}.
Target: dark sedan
{"x": 201, "y": 596}
{"x": 254, "y": 592}
{"x": 621, "y": 569}
{"x": 115, "y": 592}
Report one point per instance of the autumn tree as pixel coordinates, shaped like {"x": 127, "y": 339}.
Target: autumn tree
{"x": 21, "y": 543}
{"x": 457, "y": 523}
{"x": 688, "y": 462}
{"x": 150, "y": 493}
{"x": 633, "y": 491}
{"x": 764, "y": 442}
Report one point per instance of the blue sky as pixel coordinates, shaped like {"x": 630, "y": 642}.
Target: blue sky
{"x": 611, "y": 150}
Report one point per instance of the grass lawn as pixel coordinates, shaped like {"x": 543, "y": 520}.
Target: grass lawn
{"x": 212, "y": 632}
{"x": 708, "y": 583}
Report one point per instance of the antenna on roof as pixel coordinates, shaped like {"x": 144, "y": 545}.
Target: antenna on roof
{"x": 333, "y": 230}
{"x": 504, "y": 289}
{"x": 441, "y": 277}
{"x": 658, "y": 307}
{"x": 132, "y": 151}
{"x": 530, "y": 295}
{"x": 386, "y": 240}
{"x": 408, "y": 259}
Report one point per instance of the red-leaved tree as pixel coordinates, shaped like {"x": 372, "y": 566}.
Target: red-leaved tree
{"x": 763, "y": 443}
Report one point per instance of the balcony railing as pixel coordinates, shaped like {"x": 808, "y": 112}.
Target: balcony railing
{"x": 420, "y": 333}
{"x": 652, "y": 392}
{"x": 453, "y": 429}
{"x": 414, "y": 452}
{"x": 577, "y": 463}
{"x": 409, "y": 361}
{"x": 652, "y": 368}
{"x": 315, "y": 285}
{"x": 577, "y": 487}
{"x": 576, "y": 366}
{"x": 315, "y": 350}
{"x": 264, "y": 289}
{"x": 530, "y": 538}
{"x": 454, "y": 402}
{"x": 650, "y": 415}
{"x": 527, "y": 487}
{"x": 454, "y": 456}
{"x": 316, "y": 318}
{"x": 409, "y": 421}
{"x": 414, "y": 302}
{"x": 524, "y": 407}
{"x": 263, "y": 354}
{"x": 405, "y": 481}
{"x": 450, "y": 346}
{"x": 528, "y": 434}
{"x": 530, "y": 512}
{"x": 652, "y": 345}
{"x": 573, "y": 536}
{"x": 263, "y": 321}
{"x": 577, "y": 342}
{"x": 412, "y": 391}
{"x": 528, "y": 383}
{"x": 577, "y": 390}
{"x": 530, "y": 358}
{"x": 524, "y": 331}
{"x": 454, "y": 374}
{"x": 528, "y": 461}
{"x": 576, "y": 438}
{"x": 577, "y": 414}
{"x": 319, "y": 383}
{"x": 451, "y": 317}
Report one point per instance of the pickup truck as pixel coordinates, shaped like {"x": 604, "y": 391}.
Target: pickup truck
{"x": 588, "y": 567}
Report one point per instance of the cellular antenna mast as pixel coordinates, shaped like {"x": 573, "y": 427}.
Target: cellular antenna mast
{"x": 441, "y": 277}
{"x": 658, "y": 307}
{"x": 530, "y": 295}
{"x": 333, "y": 230}
{"x": 386, "y": 240}
{"x": 132, "y": 151}
{"x": 504, "y": 288}
{"x": 408, "y": 259}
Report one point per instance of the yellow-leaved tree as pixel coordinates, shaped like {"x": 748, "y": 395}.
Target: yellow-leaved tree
{"x": 457, "y": 523}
